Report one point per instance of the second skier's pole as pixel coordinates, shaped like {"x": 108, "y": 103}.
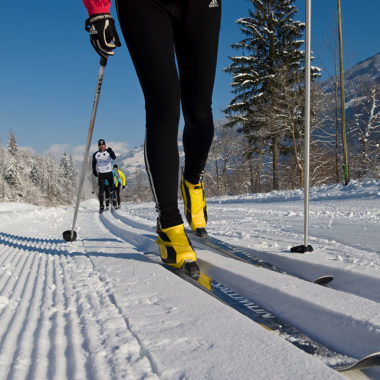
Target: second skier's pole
{"x": 71, "y": 235}
{"x": 306, "y": 248}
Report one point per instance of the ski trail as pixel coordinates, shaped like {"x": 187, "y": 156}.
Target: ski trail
{"x": 350, "y": 280}
{"x": 94, "y": 309}
{"x": 134, "y": 351}
{"x": 26, "y": 324}
{"x": 86, "y": 316}
{"x": 59, "y": 318}
{"x": 130, "y": 231}
{"x": 40, "y": 350}
{"x": 76, "y": 357}
{"x": 29, "y": 343}
{"x": 254, "y": 282}
{"x": 125, "y": 345}
{"x": 11, "y": 263}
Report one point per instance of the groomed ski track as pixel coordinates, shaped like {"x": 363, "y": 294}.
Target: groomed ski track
{"x": 79, "y": 310}
{"x": 256, "y": 284}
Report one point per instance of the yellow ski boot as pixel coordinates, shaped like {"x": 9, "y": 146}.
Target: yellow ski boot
{"x": 176, "y": 250}
{"x": 194, "y": 200}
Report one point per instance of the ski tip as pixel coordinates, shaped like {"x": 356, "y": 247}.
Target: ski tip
{"x": 69, "y": 235}
{"x": 302, "y": 249}
{"x": 372, "y": 360}
{"x": 323, "y": 280}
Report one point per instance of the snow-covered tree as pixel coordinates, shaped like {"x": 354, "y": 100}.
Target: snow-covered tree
{"x": 12, "y": 145}
{"x": 365, "y": 130}
{"x": 10, "y": 170}
{"x": 2, "y": 181}
{"x": 224, "y": 158}
{"x": 68, "y": 176}
{"x": 67, "y": 167}
{"x": 138, "y": 188}
{"x": 35, "y": 174}
{"x": 37, "y": 179}
{"x": 271, "y": 48}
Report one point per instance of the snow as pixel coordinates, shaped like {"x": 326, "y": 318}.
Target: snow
{"x": 98, "y": 308}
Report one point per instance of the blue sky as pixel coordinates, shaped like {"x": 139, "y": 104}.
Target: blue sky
{"x": 49, "y": 70}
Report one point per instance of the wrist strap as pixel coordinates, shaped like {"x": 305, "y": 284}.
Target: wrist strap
{"x": 96, "y": 18}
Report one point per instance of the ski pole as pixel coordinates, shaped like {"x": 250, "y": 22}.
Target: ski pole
{"x": 305, "y": 247}
{"x": 71, "y": 235}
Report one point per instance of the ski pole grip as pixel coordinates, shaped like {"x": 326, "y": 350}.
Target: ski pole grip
{"x": 103, "y": 61}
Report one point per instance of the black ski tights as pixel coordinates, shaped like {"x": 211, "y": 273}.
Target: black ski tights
{"x": 157, "y": 33}
{"x": 102, "y": 178}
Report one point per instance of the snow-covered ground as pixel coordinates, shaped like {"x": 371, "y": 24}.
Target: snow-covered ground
{"x": 98, "y": 308}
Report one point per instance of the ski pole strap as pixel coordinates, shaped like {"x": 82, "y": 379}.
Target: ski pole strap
{"x": 103, "y": 61}
{"x": 95, "y": 18}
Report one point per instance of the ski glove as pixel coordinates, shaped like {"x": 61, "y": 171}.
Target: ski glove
{"x": 95, "y": 173}
{"x": 123, "y": 187}
{"x": 109, "y": 150}
{"x": 103, "y": 34}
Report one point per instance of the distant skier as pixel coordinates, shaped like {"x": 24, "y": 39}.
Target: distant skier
{"x": 158, "y": 34}
{"x": 102, "y": 168}
{"x": 119, "y": 180}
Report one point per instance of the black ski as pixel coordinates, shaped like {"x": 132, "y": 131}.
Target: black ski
{"x": 228, "y": 250}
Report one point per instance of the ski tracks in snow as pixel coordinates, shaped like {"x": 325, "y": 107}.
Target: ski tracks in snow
{"x": 58, "y": 317}
{"x": 338, "y": 324}
{"x": 70, "y": 310}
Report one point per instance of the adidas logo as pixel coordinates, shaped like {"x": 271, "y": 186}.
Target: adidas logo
{"x": 213, "y": 4}
{"x": 93, "y": 30}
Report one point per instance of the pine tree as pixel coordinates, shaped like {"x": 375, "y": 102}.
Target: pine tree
{"x": 271, "y": 47}
{"x": 68, "y": 174}
{"x": 35, "y": 175}
{"x": 65, "y": 166}
{"x": 73, "y": 172}
{"x": 53, "y": 178}
{"x": 11, "y": 161}
{"x": 10, "y": 171}
{"x": 12, "y": 145}
{"x": 2, "y": 159}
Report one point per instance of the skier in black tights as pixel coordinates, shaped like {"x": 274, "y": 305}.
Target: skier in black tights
{"x": 161, "y": 35}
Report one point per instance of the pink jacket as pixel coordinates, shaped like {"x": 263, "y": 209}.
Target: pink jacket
{"x": 97, "y": 6}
